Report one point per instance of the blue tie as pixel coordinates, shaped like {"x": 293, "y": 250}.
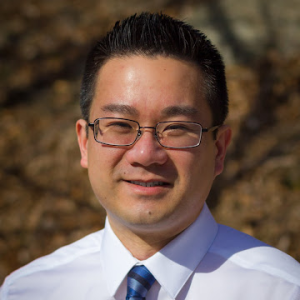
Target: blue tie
{"x": 139, "y": 281}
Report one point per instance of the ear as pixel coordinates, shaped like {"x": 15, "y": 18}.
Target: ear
{"x": 222, "y": 142}
{"x": 82, "y": 141}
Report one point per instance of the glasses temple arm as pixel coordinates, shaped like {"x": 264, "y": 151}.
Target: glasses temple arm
{"x": 210, "y": 129}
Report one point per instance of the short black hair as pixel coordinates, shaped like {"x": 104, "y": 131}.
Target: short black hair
{"x": 157, "y": 34}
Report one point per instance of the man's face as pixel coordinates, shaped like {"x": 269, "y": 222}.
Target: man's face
{"x": 151, "y": 90}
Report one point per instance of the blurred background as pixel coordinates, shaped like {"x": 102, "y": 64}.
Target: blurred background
{"x": 45, "y": 197}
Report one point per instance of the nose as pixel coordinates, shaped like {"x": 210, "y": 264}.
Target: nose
{"x": 146, "y": 150}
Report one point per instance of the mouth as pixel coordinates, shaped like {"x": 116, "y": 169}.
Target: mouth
{"x": 149, "y": 184}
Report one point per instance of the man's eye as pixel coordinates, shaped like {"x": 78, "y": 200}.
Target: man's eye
{"x": 119, "y": 126}
{"x": 176, "y": 129}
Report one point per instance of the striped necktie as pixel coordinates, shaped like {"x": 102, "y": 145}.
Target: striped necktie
{"x": 139, "y": 281}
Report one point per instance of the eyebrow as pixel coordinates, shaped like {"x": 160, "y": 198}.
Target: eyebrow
{"x": 121, "y": 108}
{"x": 170, "y": 111}
{"x": 185, "y": 110}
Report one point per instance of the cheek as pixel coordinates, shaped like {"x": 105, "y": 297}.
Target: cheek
{"x": 102, "y": 161}
{"x": 192, "y": 161}
{"x": 196, "y": 169}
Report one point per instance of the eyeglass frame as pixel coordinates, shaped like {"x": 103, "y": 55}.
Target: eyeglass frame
{"x": 139, "y": 132}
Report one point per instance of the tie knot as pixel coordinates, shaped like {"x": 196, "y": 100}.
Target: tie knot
{"x": 139, "y": 281}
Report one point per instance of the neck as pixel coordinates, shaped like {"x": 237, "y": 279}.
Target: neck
{"x": 142, "y": 244}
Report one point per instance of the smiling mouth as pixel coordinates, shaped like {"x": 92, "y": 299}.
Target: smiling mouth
{"x": 149, "y": 184}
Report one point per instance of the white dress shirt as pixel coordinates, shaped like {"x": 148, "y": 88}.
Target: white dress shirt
{"x": 207, "y": 261}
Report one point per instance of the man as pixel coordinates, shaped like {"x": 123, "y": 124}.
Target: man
{"x": 153, "y": 140}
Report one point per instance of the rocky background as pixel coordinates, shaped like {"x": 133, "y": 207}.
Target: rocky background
{"x": 45, "y": 197}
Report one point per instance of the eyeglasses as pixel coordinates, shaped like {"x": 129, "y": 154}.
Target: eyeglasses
{"x": 169, "y": 134}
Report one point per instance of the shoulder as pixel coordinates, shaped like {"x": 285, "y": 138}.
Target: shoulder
{"x": 252, "y": 254}
{"x": 69, "y": 254}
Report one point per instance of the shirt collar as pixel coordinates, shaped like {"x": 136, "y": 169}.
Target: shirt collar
{"x": 179, "y": 258}
{"x": 116, "y": 259}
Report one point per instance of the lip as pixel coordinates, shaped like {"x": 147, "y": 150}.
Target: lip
{"x": 148, "y": 187}
{"x": 149, "y": 183}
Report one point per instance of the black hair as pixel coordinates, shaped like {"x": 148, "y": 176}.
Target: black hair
{"x": 157, "y": 34}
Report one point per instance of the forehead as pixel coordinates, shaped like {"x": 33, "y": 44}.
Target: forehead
{"x": 134, "y": 84}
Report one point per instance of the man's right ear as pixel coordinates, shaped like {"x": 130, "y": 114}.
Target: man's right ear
{"x": 82, "y": 139}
